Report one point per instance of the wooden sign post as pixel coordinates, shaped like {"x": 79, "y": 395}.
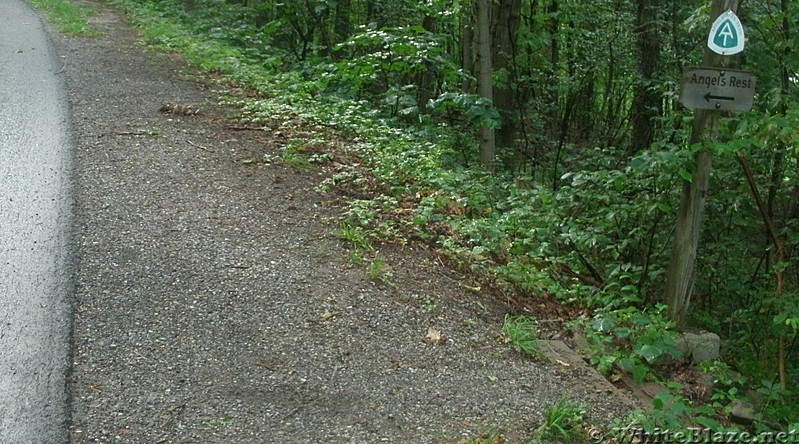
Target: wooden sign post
{"x": 680, "y": 274}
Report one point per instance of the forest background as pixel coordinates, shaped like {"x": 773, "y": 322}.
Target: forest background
{"x": 577, "y": 195}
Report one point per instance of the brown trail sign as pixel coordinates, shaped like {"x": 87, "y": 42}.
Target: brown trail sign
{"x": 717, "y": 88}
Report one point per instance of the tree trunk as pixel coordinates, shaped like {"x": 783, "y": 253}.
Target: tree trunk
{"x": 484, "y": 80}
{"x": 552, "y": 87}
{"x": 342, "y": 21}
{"x": 785, "y": 87}
{"x": 646, "y": 103}
{"x": 467, "y": 49}
{"x": 425, "y": 84}
{"x": 371, "y": 12}
{"x": 504, "y": 25}
{"x": 680, "y": 274}
{"x": 324, "y": 33}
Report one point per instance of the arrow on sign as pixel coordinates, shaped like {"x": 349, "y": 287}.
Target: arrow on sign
{"x": 709, "y": 96}
{"x": 717, "y": 89}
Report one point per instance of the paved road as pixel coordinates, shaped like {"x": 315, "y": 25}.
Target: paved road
{"x": 36, "y": 283}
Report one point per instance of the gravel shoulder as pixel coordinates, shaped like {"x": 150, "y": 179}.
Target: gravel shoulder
{"x": 216, "y": 305}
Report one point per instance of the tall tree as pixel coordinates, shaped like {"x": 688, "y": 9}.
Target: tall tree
{"x": 485, "y": 81}
{"x": 467, "y": 47}
{"x": 342, "y": 22}
{"x": 646, "y": 105}
{"x": 425, "y": 82}
{"x": 506, "y": 16}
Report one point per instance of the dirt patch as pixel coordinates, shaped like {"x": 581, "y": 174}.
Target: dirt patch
{"x": 215, "y": 303}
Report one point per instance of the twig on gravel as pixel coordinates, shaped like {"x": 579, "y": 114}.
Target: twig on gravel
{"x": 136, "y": 352}
{"x": 199, "y": 146}
{"x": 290, "y": 414}
{"x": 172, "y": 413}
{"x": 247, "y": 128}
{"x": 130, "y": 133}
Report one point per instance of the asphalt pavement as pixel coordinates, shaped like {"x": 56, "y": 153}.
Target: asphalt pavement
{"x": 36, "y": 278}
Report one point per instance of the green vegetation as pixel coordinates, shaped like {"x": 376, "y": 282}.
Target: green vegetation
{"x": 354, "y": 237}
{"x": 216, "y": 423}
{"x": 429, "y": 305}
{"x": 293, "y": 157}
{"x": 493, "y": 437}
{"x": 579, "y": 200}
{"x": 563, "y": 423}
{"x": 376, "y": 271}
{"x": 630, "y": 339}
{"x": 66, "y": 16}
{"x": 522, "y": 332}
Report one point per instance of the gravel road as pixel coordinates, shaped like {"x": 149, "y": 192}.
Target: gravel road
{"x": 216, "y": 305}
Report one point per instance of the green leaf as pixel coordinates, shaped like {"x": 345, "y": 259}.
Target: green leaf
{"x": 637, "y": 164}
{"x": 623, "y": 333}
{"x": 640, "y": 319}
{"x": 639, "y": 373}
{"x": 627, "y": 363}
{"x": 649, "y": 352}
{"x": 602, "y": 324}
{"x": 661, "y": 400}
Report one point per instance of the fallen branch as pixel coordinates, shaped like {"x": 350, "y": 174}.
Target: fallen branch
{"x": 130, "y": 133}
{"x": 248, "y": 128}
{"x": 199, "y": 146}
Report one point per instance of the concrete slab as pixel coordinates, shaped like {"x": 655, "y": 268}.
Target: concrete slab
{"x": 568, "y": 363}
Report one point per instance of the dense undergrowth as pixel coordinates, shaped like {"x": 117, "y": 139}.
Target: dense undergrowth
{"x": 598, "y": 236}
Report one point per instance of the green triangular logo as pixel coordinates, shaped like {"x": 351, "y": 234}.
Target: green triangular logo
{"x": 726, "y": 36}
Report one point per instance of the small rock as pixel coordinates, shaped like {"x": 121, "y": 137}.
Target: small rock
{"x": 705, "y": 383}
{"x": 699, "y": 347}
{"x": 742, "y": 412}
{"x": 653, "y": 389}
{"x": 581, "y": 345}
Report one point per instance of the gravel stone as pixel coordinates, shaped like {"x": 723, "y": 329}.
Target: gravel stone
{"x": 216, "y": 305}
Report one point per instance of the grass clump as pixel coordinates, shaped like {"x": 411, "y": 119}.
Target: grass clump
{"x": 292, "y": 157}
{"x": 563, "y": 423}
{"x": 521, "y": 332}
{"x": 66, "y": 16}
{"x": 354, "y": 236}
